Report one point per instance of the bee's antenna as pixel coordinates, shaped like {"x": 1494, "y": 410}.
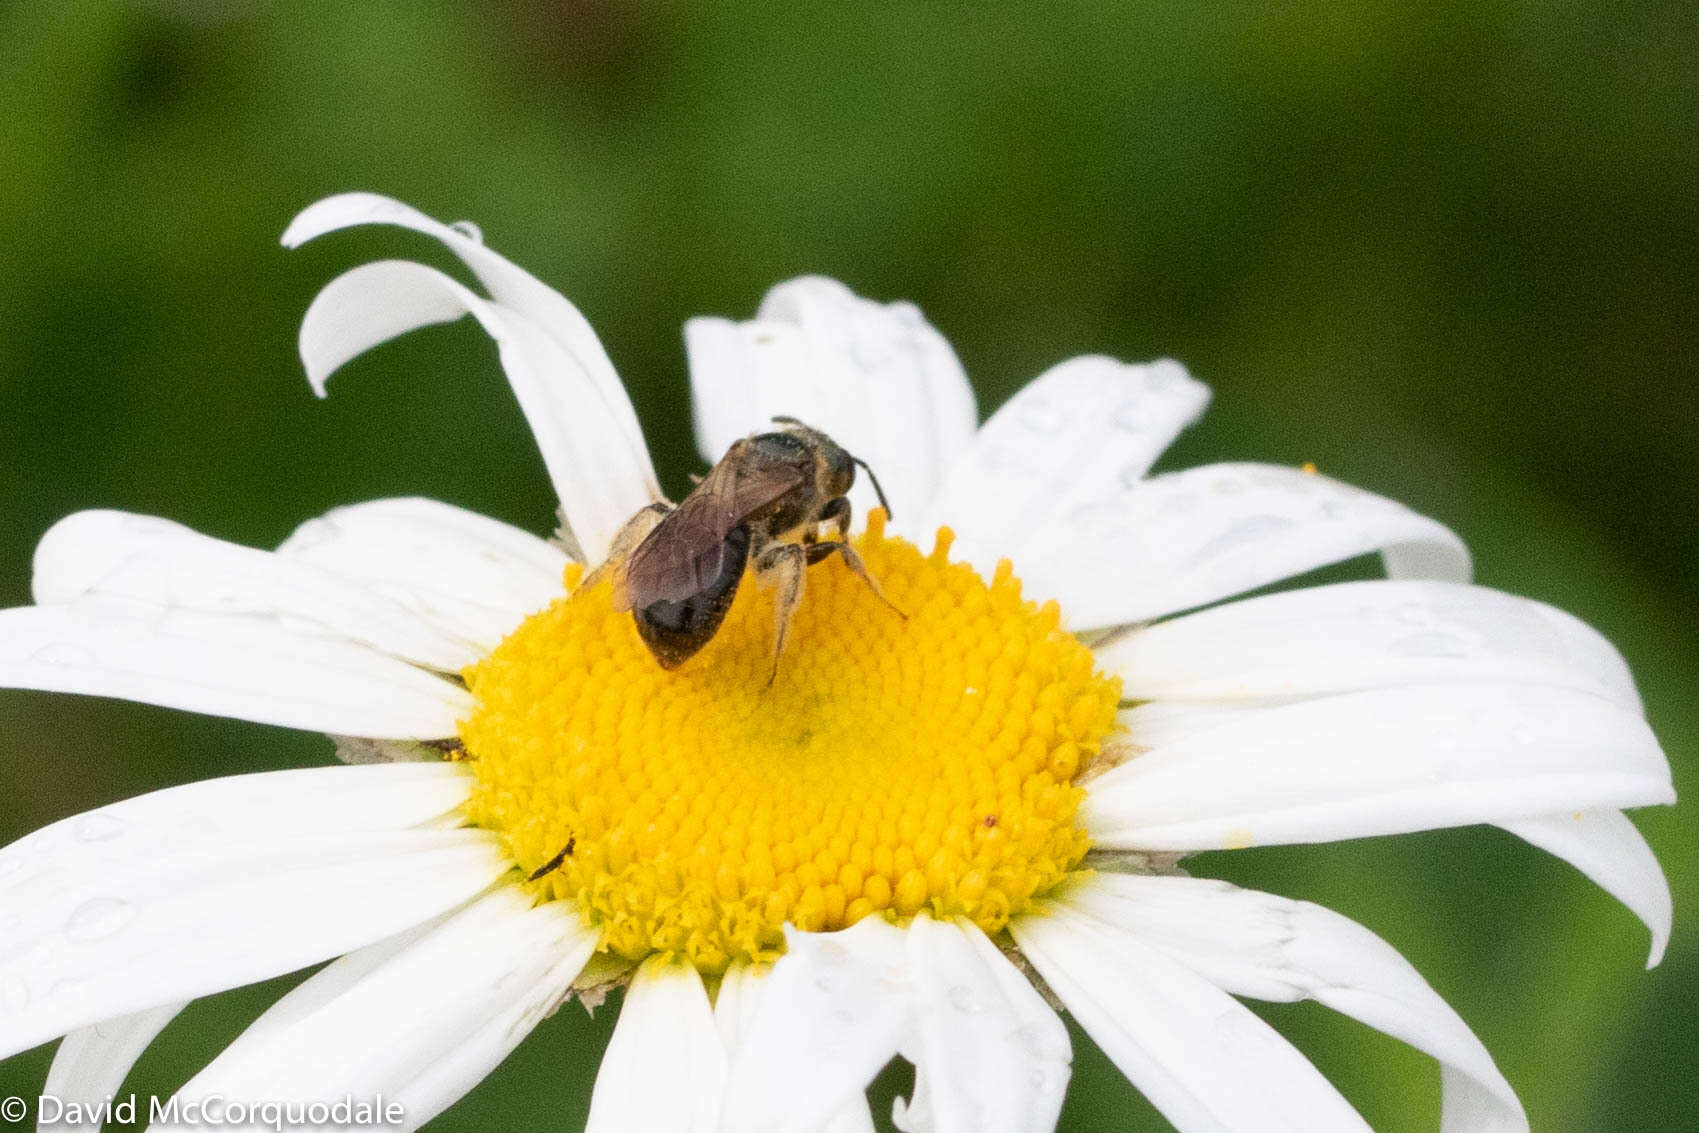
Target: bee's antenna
{"x": 877, "y": 490}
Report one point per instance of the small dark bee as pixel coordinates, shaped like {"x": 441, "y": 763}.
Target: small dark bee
{"x": 776, "y": 502}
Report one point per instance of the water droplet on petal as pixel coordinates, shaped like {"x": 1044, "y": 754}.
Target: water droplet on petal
{"x": 963, "y": 999}
{"x": 1431, "y": 645}
{"x": 98, "y": 918}
{"x": 62, "y": 656}
{"x": 97, "y": 827}
{"x": 469, "y": 230}
{"x": 1415, "y": 615}
{"x": 1133, "y": 416}
{"x": 1037, "y": 1040}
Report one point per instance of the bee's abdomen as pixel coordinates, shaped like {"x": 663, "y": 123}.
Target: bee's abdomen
{"x": 677, "y": 631}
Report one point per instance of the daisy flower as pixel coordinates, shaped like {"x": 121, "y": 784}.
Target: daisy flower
{"x": 929, "y": 834}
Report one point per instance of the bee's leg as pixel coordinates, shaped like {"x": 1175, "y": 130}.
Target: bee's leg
{"x": 819, "y": 551}
{"x": 636, "y": 529}
{"x": 782, "y": 565}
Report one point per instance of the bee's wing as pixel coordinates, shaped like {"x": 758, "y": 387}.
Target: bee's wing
{"x": 684, "y": 553}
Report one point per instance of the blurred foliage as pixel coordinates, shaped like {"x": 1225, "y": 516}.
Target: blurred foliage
{"x": 1448, "y": 251}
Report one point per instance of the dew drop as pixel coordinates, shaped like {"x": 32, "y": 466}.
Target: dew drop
{"x": 469, "y": 230}
{"x": 97, "y": 827}
{"x": 1436, "y": 644}
{"x": 1132, "y": 417}
{"x": 1036, "y": 1040}
{"x": 963, "y": 999}
{"x": 1415, "y": 615}
{"x": 98, "y": 918}
{"x": 62, "y": 656}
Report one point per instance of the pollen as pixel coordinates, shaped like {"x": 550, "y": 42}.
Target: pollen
{"x": 897, "y": 762}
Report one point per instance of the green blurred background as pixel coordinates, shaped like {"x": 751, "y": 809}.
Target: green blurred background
{"x": 1447, "y": 251}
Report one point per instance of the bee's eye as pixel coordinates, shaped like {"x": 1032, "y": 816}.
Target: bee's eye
{"x": 841, "y": 471}
{"x": 783, "y": 446}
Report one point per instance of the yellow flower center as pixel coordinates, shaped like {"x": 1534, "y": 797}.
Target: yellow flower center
{"x": 895, "y": 764}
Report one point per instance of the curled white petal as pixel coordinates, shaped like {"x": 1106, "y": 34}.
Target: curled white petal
{"x": 665, "y": 1067}
{"x": 246, "y": 667}
{"x": 181, "y": 925}
{"x": 587, "y": 364}
{"x": 1385, "y": 761}
{"x": 1200, "y": 1056}
{"x": 836, "y": 1007}
{"x": 420, "y": 1018}
{"x": 92, "y": 1063}
{"x": 1185, "y": 539}
{"x": 995, "y": 1055}
{"x": 1604, "y": 845}
{"x": 1358, "y": 635}
{"x": 877, "y": 377}
{"x": 365, "y": 308}
{"x": 471, "y": 576}
{"x": 601, "y": 477}
{"x": 1267, "y": 947}
{"x": 1088, "y": 427}
{"x": 165, "y": 564}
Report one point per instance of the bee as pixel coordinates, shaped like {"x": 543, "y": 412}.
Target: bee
{"x": 776, "y": 503}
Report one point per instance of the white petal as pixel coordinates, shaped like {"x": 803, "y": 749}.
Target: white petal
{"x": 165, "y": 564}
{"x": 367, "y": 307}
{"x": 249, "y": 668}
{"x": 665, "y": 1067}
{"x": 602, "y": 478}
{"x": 204, "y": 816}
{"x": 1358, "y": 635}
{"x": 1199, "y": 1055}
{"x": 422, "y": 1018}
{"x": 587, "y": 364}
{"x": 474, "y": 577}
{"x": 330, "y": 982}
{"x": 179, "y": 925}
{"x": 1385, "y": 761}
{"x": 92, "y": 1063}
{"x": 877, "y": 377}
{"x": 1267, "y": 947}
{"x": 994, "y": 1053}
{"x": 1162, "y": 722}
{"x": 835, "y": 1009}
{"x": 474, "y": 1057}
{"x": 1604, "y": 845}
{"x": 1186, "y": 539}
{"x": 735, "y": 1006}
{"x": 1088, "y": 427}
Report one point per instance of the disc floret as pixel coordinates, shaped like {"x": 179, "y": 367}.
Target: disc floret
{"x": 895, "y": 764}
